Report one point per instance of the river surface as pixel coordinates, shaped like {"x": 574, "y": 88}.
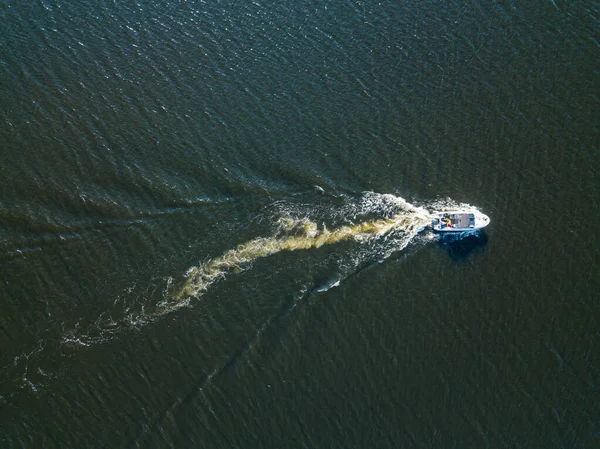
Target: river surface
{"x": 213, "y": 224}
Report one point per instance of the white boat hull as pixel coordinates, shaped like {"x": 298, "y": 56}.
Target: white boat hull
{"x": 459, "y": 221}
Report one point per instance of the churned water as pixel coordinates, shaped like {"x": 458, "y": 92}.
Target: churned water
{"x": 214, "y": 224}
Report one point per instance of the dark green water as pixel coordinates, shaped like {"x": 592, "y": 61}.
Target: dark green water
{"x": 282, "y": 157}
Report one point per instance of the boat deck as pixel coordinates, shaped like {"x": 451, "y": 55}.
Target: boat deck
{"x": 454, "y": 221}
{"x": 459, "y": 221}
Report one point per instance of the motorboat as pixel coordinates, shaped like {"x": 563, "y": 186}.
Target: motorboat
{"x": 459, "y": 221}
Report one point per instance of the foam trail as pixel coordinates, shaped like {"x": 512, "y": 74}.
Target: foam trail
{"x": 199, "y": 278}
